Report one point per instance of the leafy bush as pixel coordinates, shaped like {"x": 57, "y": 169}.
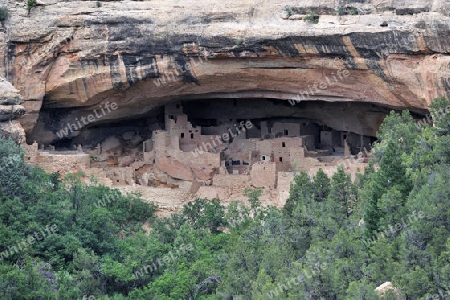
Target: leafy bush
{"x": 347, "y": 10}
{"x": 312, "y": 17}
{"x": 4, "y": 14}
{"x": 99, "y": 4}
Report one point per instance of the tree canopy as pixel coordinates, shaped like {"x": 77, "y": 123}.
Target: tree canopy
{"x": 334, "y": 238}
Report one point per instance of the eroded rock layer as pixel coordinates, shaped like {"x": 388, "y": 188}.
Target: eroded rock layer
{"x": 10, "y": 109}
{"x": 71, "y": 59}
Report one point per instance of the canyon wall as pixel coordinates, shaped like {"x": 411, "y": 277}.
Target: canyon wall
{"x": 68, "y": 59}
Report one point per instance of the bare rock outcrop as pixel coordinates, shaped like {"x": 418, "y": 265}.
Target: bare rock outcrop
{"x": 13, "y": 130}
{"x": 8, "y": 94}
{"x": 10, "y": 109}
{"x": 388, "y": 286}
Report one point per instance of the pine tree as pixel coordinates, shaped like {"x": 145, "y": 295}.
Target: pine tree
{"x": 321, "y": 186}
{"x": 392, "y": 173}
{"x": 397, "y": 128}
{"x": 341, "y": 195}
{"x": 439, "y": 109}
{"x": 301, "y": 190}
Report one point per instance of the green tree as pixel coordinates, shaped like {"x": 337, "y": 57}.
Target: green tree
{"x": 300, "y": 193}
{"x": 358, "y": 290}
{"x": 253, "y": 197}
{"x": 238, "y": 216}
{"x": 440, "y": 111}
{"x": 321, "y": 186}
{"x": 262, "y": 286}
{"x": 341, "y": 196}
{"x": 392, "y": 173}
{"x": 432, "y": 147}
{"x": 399, "y": 129}
{"x": 28, "y": 279}
{"x": 214, "y": 216}
{"x": 13, "y": 170}
{"x": 202, "y": 213}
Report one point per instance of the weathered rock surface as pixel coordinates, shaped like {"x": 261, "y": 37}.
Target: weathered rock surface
{"x": 10, "y": 112}
{"x": 10, "y": 109}
{"x": 126, "y": 161}
{"x": 70, "y": 58}
{"x": 174, "y": 168}
{"x": 13, "y": 130}
{"x": 8, "y": 94}
{"x": 204, "y": 172}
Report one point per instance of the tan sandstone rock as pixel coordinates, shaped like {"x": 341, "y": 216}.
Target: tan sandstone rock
{"x": 79, "y": 56}
{"x": 10, "y": 109}
{"x": 125, "y": 161}
{"x": 174, "y": 168}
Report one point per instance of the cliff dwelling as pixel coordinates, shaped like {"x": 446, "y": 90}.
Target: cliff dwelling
{"x": 176, "y": 103}
{"x": 215, "y": 148}
{"x": 224, "y": 116}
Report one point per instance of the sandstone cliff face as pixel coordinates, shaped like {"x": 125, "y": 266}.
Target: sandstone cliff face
{"x": 71, "y": 58}
{"x": 10, "y": 109}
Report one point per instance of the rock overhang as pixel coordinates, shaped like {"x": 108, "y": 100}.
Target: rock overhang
{"x": 85, "y": 57}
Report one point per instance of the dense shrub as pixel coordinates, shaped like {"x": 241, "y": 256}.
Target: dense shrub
{"x": 312, "y": 17}
{"x": 347, "y": 10}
